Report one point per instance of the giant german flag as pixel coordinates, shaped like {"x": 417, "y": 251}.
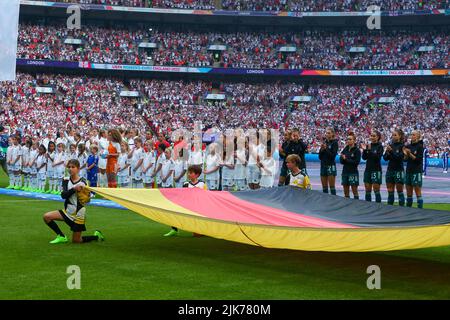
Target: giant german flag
{"x": 289, "y": 218}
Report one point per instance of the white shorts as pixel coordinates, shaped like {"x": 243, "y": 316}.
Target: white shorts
{"x": 227, "y": 183}
{"x": 42, "y": 176}
{"x": 212, "y": 184}
{"x": 123, "y": 179}
{"x": 241, "y": 184}
{"x": 33, "y": 170}
{"x": 17, "y": 167}
{"x": 253, "y": 174}
{"x": 266, "y": 182}
{"x": 102, "y": 163}
{"x": 137, "y": 175}
{"x": 147, "y": 179}
{"x": 167, "y": 185}
{"x": 26, "y": 169}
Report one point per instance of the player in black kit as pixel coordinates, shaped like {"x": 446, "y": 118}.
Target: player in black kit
{"x": 395, "y": 174}
{"x": 283, "y": 151}
{"x": 298, "y": 147}
{"x": 350, "y": 158}
{"x": 327, "y": 156}
{"x": 373, "y": 152}
{"x": 414, "y": 167}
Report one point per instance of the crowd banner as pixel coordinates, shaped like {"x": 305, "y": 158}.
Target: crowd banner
{"x": 234, "y": 71}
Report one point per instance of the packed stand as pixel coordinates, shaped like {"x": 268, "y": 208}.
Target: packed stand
{"x": 164, "y": 106}
{"x": 78, "y": 101}
{"x": 170, "y": 4}
{"x": 315, "y": 49}
{"x": 276, "y": 5}
{"x": 362, "y": 5}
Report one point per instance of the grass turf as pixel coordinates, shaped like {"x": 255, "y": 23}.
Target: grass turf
{"x": 136, "y": 262}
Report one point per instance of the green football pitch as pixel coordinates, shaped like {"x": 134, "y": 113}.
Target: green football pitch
{"x": 137, "y": 262}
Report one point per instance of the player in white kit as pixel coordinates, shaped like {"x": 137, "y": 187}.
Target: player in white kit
{"x": 148, "y": 165}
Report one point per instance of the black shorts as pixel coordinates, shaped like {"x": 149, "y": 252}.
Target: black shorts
{"x": 328, "y": 171}
{"x": 75, "y": 227}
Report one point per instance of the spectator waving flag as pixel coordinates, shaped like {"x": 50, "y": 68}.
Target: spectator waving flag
{"x": 9, "y": 24}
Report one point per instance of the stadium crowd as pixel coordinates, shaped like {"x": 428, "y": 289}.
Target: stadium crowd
{"x": 83, "y": 101}
{"x": 327, "y": 5}
{"x": 247, "y": 49}
{"x": 275, "y": 5}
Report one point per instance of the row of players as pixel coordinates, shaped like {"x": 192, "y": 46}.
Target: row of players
{"x": 147, "y": 166}
{"x": 396, "y": 153}
{"x": 137, "y": 167}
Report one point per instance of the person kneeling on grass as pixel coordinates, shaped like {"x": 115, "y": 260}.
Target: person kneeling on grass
{"x": 193, "y": 174}
{"x": 75, "y": 196}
